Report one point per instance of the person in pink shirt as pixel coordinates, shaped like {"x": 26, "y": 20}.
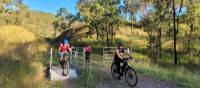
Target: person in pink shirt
{"x": 87, "y": 50}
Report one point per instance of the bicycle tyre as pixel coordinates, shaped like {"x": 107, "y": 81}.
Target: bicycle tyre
{"x": 66, "y": 68}
{"x": 131, "y": 72}
{"x": 114, "y": 71}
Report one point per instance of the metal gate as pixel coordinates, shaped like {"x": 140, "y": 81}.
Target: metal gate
{"x": 109, "y": 52}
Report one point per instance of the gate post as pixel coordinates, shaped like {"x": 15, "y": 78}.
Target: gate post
{"x": 50, "y": 63}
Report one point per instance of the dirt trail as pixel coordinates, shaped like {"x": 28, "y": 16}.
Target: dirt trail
{"x": 109, "y": 82}
{"x": 143, "y": 82}
{"x": 68, "y": 84}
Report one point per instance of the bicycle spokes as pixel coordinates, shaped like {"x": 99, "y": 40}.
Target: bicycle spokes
{"x": 131, "y": 77}
{"x": 114, "y": 71}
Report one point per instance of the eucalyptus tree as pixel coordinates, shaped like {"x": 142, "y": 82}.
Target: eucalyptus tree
{"x": 191, "y": 18}
{"x": 65, "y": 19}
{"x": 14, "y": 11}
{"x": 162, "y": 11}
{"x": 3, "y": 3}
{"x": 102, "y": 17}
{"x": 153, "y": 13}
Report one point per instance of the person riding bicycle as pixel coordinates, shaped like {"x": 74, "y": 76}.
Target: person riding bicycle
{"x": 64, "y": 49}
{"x": 118, "y": 58}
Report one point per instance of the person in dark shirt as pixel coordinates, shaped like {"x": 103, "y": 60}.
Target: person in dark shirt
{"x": 118, "y": 58}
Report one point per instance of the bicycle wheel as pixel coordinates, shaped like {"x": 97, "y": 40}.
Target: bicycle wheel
{"x": 131, "y": 77}
{"x": 114, "y": 71}
{"x": 66, "y": 68}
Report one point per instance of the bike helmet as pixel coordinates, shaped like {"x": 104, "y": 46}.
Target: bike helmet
{"x": 66, "y": 41}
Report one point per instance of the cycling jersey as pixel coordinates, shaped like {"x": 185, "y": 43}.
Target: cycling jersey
{"x": 88, "y": 49}
{"x": 64, "y": 48}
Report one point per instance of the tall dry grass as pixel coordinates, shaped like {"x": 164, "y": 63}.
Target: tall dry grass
{"x": 178, "y": 75}
{"x": 21, "y": 56}
{"x": 15, "y": 34}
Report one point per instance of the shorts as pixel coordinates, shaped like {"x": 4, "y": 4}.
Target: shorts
{"x": 62, "y": 54}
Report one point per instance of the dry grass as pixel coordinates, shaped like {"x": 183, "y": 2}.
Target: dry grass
{"x": 15, "y": 34}
{"x": 177, "y": 75}
{"x": 21, "y": 56}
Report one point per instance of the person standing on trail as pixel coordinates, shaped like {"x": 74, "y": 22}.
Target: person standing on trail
{"x": 87, "y": 50}
{"x": 118, "y": 58}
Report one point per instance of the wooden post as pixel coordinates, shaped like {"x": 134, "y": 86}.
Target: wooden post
{"x": 84, "y": 57}
{"x": 70, "y": 60}
{"x": 75, "y": 61}
{"x": 103, "y": 55}
{"x": 51, "y": 56}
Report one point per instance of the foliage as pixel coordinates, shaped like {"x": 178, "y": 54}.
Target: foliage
{"x": 19, "y": 14}
{"x": 102, "y": 18}
{"x": 65, "y": 19}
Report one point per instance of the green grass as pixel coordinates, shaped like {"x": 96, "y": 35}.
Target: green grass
{"x": 185, "y": 75}
{"x": 177, "y": 75}
{"x": 90, "y": 75}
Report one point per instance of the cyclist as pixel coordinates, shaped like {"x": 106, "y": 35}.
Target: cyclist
{"x": 118, "y": 58}
{"x": 64, "y": 48}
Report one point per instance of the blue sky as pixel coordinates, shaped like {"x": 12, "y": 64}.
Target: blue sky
{"x": 51, "y": 5}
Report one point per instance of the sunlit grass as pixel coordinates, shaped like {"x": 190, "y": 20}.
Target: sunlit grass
{"x": 15, "y": 34}
{"x": 98, "y": 71}
{"x": 21, "y": 59}
{"x": 177, "y": 75}
{"x": 140, "y": 56}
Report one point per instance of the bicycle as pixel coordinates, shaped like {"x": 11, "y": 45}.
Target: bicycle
{"x": 129, "y": 72}
{"x": 64, "y": 62}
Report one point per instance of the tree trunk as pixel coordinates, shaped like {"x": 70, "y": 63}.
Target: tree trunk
{"x": 112, "y": 38}
{"x": 107, "y": 38}
{"x": 158, "y": 44}
{"x": 174, "y": 22}
{"x": 190, "y": 38}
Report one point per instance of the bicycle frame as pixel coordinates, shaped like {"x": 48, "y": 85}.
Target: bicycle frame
{"x": 126, "y": 61}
